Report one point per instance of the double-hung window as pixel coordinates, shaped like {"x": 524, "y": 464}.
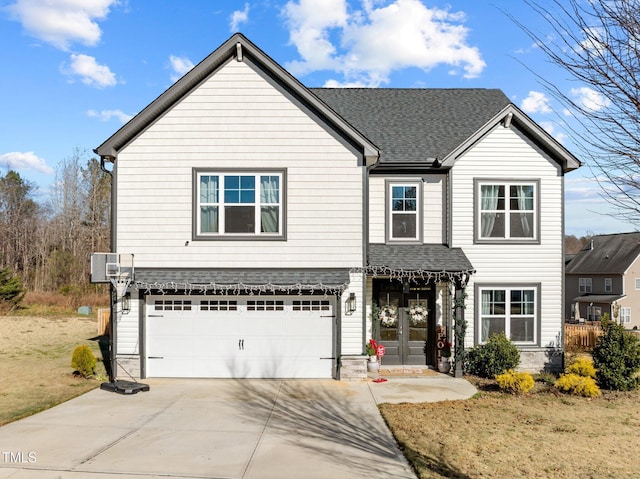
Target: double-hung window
{"x": 509, "y": 310}
{"x": 239, "y": 204}
{"x": 585, "y": 285}
{"x": 507, "y": 210}
{"x": 625, "y": 315}
{"x": 403, "y": 211}
{"x": 608, "y": 285}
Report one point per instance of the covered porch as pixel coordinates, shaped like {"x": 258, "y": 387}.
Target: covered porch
{"x": 415, "y": 303}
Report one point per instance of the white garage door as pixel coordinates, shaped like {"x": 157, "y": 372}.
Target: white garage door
{"x": 239, "y": 337}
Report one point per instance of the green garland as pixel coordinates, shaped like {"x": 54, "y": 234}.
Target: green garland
{"x": 460, "y": 327}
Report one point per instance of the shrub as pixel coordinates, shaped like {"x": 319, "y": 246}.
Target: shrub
{"x": 11, "y": 290}
{"x": 495, "y": 357}
{"x": 578, "y": 385}
{"x": 83, "y": 360}
{"x": 616, "y": 357}
{"x": 515, "y": 382}
{"x": 582, "y": 367}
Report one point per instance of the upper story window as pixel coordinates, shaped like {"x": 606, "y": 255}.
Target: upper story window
{"x": 608, "y": 285}
{"x": 239, "y": 204}
{"x": 507, "y": 210}
{"x": 584, "y": 285}
{"x": 403, "y": 208}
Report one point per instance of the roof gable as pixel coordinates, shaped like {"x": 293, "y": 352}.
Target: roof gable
{"x": 414, "y": 127}
{"x": 606, "y": 254}
{"x": 238, "y": 48}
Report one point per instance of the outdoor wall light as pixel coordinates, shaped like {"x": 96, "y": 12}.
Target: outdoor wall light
{"x": 126, "y": 303}
{"x": 350, "y": 304}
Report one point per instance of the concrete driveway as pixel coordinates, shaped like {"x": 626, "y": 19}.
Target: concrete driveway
{"x": 220, "y": 429}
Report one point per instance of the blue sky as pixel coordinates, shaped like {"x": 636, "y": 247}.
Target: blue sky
{"x": 76, "y": 70}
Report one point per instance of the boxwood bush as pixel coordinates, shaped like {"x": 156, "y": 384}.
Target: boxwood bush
{"x": 494, "y": 357}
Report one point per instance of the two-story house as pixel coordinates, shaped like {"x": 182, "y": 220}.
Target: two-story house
{"x": 604, "y": 278}
{"x": 276, "y": 228}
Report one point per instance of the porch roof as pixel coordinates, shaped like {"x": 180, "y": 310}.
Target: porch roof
{"x": 598, "y": 298}
{"x": 429, "y": 261}
{"x": 242, "y": 280}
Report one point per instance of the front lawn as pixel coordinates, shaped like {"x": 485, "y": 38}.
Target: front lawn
{"x": 35, "y": 362}
{"x": 544, "y": 435}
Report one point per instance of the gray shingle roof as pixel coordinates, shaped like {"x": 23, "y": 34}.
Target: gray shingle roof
{"x": 412, "y": 125}
{"x": 251, "y": 277}
{"x": 429, "y": 257}
{"x": 609, "y": 254}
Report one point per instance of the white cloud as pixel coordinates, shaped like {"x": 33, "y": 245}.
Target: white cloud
{"x": 106, "y": 115}
{"x": 238, "y": 17}
{"x": 62, "y": 22}
{"x": 590, "y": 99}
{"x": 16, "y": 160}
{"x": 550, "y": 128}
{"x": 180, "y": 66}
{"x": 367, "y": 45}
{"x": 90, "y": 72}
{"x": 536, "y": 102}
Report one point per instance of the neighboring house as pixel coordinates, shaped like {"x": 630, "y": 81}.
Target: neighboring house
{"x": 604, "y": 278}
{"x": 271, "y": 223}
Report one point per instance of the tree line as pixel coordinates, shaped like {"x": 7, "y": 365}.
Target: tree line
{"x": 48, "y": 245}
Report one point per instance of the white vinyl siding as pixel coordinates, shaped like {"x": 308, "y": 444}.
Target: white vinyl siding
{"x": 507, "y": 150}
{"x": 236, "y": 118}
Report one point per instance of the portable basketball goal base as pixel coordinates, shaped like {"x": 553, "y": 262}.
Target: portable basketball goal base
{"x": 116, "y": 270}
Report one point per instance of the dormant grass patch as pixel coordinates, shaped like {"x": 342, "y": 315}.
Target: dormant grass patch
{"x": 35, "y": 362}
{"x": 545, "y": 434}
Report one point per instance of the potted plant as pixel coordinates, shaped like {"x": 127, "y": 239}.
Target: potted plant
{"x": 371, "y": 348}
{"x": 444, "y": 363}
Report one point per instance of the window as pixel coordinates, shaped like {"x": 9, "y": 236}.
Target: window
{"x": 403, "y": 211}
{"x": 172, "y": 305}
{"x": 239, "y": 204}
{"x": 625, "y": 315}
{"x": 311, "y": 305}
{"x": 265, "y": 305}
{"x": 511, "y": 311}
{"x": 637, "y": 283}
{"x": 507, "y": 210}
{"x": 584, "y": 285}
{"x": 608, "y": 285}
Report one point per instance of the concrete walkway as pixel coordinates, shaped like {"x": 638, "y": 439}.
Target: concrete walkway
{"x": 221, "y": 429}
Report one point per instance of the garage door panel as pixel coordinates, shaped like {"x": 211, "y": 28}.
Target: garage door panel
{"x": 248, "y": 337}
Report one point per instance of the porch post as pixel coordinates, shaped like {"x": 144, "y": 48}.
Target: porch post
{"x": 460, "y": 327}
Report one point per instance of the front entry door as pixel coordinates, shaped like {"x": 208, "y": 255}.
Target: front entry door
{"x": 407, "y": 326}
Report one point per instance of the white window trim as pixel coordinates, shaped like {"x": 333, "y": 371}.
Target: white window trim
{"x": 637, "y": 283}
{"x": 389, "y": 208}
{"x": 585, "y": 285}
{"x": 507, "y": 315}
{"x": 608, "y": 285}
{"x": 257, "y": 234}
{"x": 507, "y": 236}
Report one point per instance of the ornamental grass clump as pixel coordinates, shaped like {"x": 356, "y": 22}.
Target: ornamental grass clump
{"x": 488, "y": 360}
{"x": 83, "y": 361}
{"x": 515, "y": 382}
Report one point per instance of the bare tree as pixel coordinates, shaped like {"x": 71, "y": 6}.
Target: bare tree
{"x": 597, "y": 42}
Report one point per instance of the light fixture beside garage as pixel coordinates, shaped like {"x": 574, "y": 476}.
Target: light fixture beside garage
{"x": 350, "y": 304}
